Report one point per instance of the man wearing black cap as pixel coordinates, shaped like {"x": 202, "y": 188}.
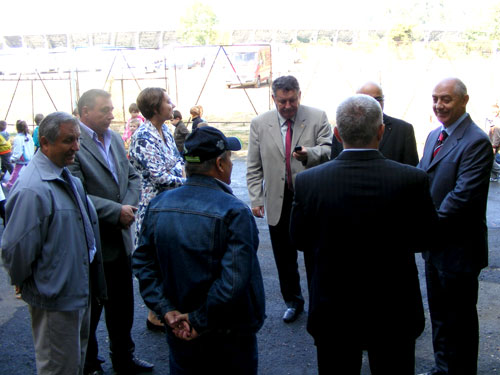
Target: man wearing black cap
{"x": 197, "y": 264}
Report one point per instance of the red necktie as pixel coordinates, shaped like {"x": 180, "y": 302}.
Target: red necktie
{"x": 288, "y": 153}
{"x": 439, "y": 143}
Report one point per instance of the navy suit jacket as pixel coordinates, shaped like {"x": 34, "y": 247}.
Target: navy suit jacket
{"x": 363, "y": 283}
{"x": 398, "y": 142}
{"x": 459, "y": 176}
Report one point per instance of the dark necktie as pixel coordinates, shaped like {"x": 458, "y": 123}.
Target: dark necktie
{"x": 439, "y": 143}
{"x": 89, "y": 232}
{"x": 288, "y": 153}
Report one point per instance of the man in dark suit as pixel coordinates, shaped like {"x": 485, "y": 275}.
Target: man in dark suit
{"x": 114, "y": 187}
{"x": 398, "y": 142}
{"x": 458, "y": 158}
{"x": 364, "y": 292}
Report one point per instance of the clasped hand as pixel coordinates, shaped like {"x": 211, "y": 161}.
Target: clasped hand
{"x": 181, "y": 327}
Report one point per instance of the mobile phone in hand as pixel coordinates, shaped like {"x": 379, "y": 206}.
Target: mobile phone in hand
{"x": 297, "y": 149}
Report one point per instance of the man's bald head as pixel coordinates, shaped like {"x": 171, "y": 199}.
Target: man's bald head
{"x": 374, "y": 90}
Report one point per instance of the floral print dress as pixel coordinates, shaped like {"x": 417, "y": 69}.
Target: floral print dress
{"x": 159, "y": 163}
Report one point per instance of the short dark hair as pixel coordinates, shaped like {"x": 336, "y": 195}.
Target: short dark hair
{"x": 88, "y": 98}
{"x": 286, "y": 83}
{"x": 21, "y": 126}
{"x": 133, "y": 108}
{"x": 149, "y": 101}
{"x": 50, "y": 125}
{"x": 177, "y": 114}
{"x": 38, "y": 118}
{"x": 3, "y": 125}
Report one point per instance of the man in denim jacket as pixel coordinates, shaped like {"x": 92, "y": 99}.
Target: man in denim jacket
{"x": 197, "y": 264}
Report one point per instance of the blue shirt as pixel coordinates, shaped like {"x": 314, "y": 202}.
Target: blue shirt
{"x": 103, "y": 148}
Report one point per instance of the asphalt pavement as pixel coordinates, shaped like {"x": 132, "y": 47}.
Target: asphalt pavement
{"x": 283, "y": 348}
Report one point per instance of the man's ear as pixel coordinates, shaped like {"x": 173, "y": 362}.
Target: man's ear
{"x": 380, "y": 132}
{"x": 337, "y": 135}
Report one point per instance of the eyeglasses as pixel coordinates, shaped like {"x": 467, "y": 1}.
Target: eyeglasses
{"x": 379, "y": 98}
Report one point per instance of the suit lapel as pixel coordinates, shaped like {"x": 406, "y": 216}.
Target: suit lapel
{"x": 449, "y": 144}
{"x": 89, "y": 144}
{"x": 275, "y": 131}
{"x": 387, "y": 131}
{"x": 298, "y": 127}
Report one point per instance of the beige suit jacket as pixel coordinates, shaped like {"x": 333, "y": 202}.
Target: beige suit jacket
{"x": 266, "y": 155}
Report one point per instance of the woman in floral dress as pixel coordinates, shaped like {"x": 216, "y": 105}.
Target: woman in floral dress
{"x": 155, "y": 156}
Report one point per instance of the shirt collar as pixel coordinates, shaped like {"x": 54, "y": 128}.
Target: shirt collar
{"x": 48, "y": 170}
{"x": 93, "y": 134}
{"x": 450, "y": 129}
{"x": 282, "y": 119}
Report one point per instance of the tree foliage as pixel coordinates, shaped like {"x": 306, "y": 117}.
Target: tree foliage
{"x": 198, "y": 25}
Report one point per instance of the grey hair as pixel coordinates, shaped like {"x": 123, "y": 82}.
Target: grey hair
{"x": 203, "y": 167}
{"x": 286, "y": 83}
{"x": 50, "y": 125}
{"x": 460, "y": 88}
{"x": 358, "y": 120}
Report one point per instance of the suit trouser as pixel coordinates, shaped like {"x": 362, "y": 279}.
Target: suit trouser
{"x": 285, "y": 255}
{"x": 60, "y": 339}
{"x": 395, "y": 357}
{"x": 455, "y": 326}
{"x": 118, "y": 312}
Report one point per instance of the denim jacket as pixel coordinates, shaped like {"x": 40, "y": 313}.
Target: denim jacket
{"x": 197, "y": 254}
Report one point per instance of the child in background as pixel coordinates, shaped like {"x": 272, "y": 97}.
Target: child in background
{"x": 3, "y": 130}
{"x": 134, "y": 114}
{"x": 22, "y": 151}
{"x": 134, "y": 124}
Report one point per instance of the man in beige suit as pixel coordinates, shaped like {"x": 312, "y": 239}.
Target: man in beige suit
{"x": 304, "y": 134}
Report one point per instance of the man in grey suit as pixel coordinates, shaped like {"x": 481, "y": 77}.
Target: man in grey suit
{"x": 282, "y": 143}
{"x": 114, "y": 187}
{"x": 458, "y": 158}
{"x": 398, "y": 142}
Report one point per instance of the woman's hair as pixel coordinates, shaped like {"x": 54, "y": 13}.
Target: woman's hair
{"x": 149, "y": 101}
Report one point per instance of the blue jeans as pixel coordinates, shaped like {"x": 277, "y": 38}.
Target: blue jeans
{"x": 222, "y": 354}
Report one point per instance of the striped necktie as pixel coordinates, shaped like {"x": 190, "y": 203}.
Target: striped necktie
{"x": 442, "y": 136}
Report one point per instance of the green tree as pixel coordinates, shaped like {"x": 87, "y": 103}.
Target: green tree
{"x": 198, "y": 25}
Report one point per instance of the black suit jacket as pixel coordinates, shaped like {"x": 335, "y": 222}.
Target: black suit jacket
{"x": 459, "y": 176}
{"x": 364, "y": 281}
{"x": 398, "y": 142}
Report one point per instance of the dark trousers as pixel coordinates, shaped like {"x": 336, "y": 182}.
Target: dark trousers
{"x": 224, "y": 354}
{"x": 118, "y": 313}
{"x": 386, "y": 358}
{"x": 455, "y": 326}
{"x": 6, "y": 164}
{"x": 285, "y": 255}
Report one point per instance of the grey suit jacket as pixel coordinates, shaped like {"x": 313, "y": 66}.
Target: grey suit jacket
{"x": 459, "y": 176}
{"x": 107, "y": 195}
{"x": 266, "y": 155}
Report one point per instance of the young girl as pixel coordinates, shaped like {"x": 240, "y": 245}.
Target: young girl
{"x": 23, "y": 149}
{"x": 134, "y": 114}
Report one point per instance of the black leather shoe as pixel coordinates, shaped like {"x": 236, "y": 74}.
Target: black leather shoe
{"x": 154, "y": 327}
{"x": 291, "y": 314}
{"x": 132, "y": 367}
{"x": 95, "y": 370}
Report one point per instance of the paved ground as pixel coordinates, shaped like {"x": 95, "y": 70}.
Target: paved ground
{"x": 283, "y": 349}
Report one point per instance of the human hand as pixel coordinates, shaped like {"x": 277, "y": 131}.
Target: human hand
{"x": 127, "y": 216}
{"x": 300, "y": 155}
{"x": 181, "y": 327}
{"x": 258, "y": 211}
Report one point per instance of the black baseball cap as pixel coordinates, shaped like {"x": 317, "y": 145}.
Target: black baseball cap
{"x": 206, "y": 143}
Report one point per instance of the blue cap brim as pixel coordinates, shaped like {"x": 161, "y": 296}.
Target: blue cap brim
{"x": 233, "y": 143}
